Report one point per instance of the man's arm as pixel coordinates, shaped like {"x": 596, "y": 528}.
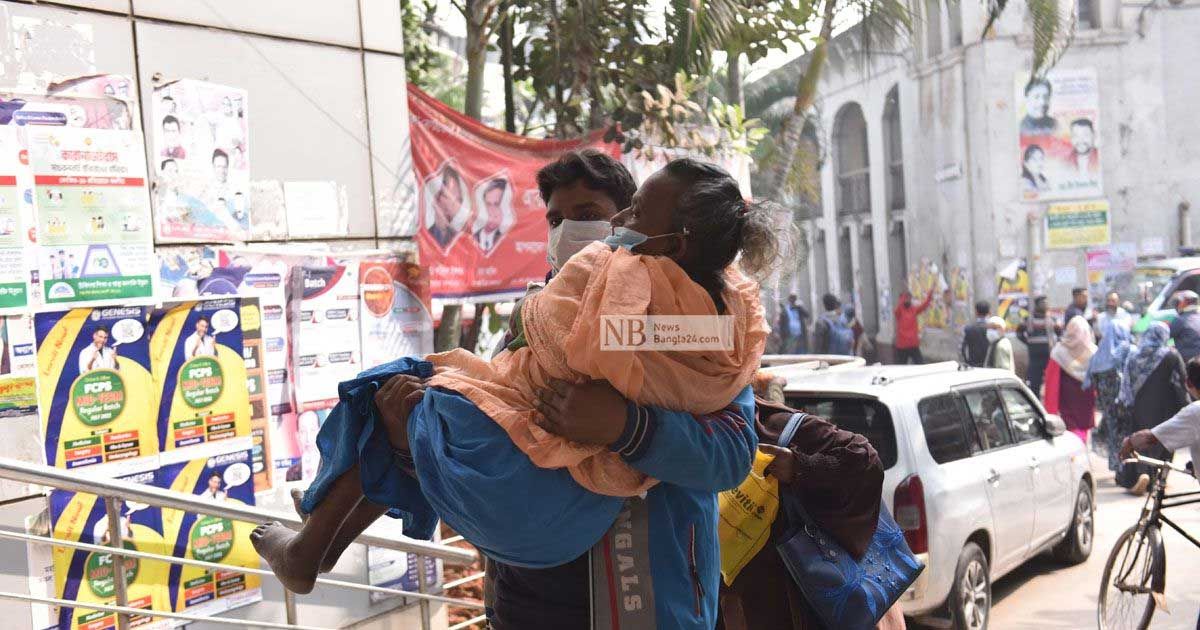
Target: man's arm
{"x": 1181, "y": 431}
{"x": 925, "y": 305}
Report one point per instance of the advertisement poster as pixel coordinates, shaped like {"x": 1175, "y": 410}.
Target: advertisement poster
{"x": 325, "y": 342}
{"x": 201, "y": 162}
{"x": 200, "y": 378}
{"x": 96, "y": 397}
{"x": 220, "y": 479}
{"x": 94, "y": 240}
{"x": 261, "y": 463}
{"x": 1111, "y": 267}
{"x": 90, "y": 577}
{"x": 482, "y": 225}
{"x": 396, "y": 321}
{"x": 1081, "y": 224}
{"x": 925, "y": 279}
{"x": 1012, "y": 291}
{"x": 388, "y": 568}
{"x": 1058, "y": 117}
{"x": 18, "y": 366}
{"x": 14, "y": 260}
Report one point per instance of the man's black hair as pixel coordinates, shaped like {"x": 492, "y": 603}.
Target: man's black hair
{"x": 1083, "y": 122}
{"x": 170, "y": 119}
{"x": 220, "y": 153}
{"x": 596, "y": 169}
{"x": 983, "y": 307}
{"x": 163, "y": 166}
{"x": 103, "y": 329}
{"x": 496, "y": 184}
{"x": 1193, "y": 372}
{"x": 1036, "y": 82}
{"x": 830, "y": 301}
{"x": 1039, "y": 300}
{"x": 1078, "y": 291}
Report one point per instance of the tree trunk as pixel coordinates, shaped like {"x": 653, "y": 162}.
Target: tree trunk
{"x": 792, "y": 127}
{"x": 734, "y": 91}
{"x": 506, "y": 62}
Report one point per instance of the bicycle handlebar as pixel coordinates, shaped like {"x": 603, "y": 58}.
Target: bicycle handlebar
{"x": 1158, "y": 463}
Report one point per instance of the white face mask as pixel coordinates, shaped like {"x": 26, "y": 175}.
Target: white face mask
{"x": 993, "y": 335}
{"x": 570, "y": 237}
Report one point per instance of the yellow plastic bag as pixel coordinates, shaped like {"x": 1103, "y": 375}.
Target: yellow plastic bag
{"x": 747, "y": 513}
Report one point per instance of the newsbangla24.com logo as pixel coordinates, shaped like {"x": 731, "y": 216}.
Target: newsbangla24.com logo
{"x": 98, "y": 397}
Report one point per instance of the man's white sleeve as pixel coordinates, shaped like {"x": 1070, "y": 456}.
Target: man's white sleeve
{"x": 1181, "y": 431}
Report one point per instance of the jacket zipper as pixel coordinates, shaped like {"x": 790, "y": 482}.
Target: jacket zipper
{"x": 697, "y": 587}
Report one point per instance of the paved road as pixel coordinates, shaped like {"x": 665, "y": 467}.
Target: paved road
{"x": 1043, "y": 594}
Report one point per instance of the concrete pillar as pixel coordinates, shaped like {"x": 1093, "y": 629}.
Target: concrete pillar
{"x": 879, "y": 216}
{"x": 856, "y": 288}
{"x": 810, "y": 235}
{"x": 829, "y": 223}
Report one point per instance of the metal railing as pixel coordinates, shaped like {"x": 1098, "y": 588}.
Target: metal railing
{"x": 112, "y": 492}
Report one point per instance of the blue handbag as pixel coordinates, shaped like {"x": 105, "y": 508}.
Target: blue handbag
{"x": 844, "y": 592}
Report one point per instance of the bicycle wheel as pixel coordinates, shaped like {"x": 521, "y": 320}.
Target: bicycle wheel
{"x": 1135, "y": 569}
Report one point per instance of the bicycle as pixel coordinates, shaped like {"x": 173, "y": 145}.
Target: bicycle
{"x": 1136, "y": 569}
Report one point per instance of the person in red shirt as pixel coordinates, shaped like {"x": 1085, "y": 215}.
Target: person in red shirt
{"x": 908, "y": 333}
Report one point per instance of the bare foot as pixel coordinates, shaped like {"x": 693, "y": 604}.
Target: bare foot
{"x": 275, "y": 543}
{"x": 297, "y": 499}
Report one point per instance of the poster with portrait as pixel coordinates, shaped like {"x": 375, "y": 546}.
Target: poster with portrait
{"x": 201, "y": 157}
{"x": 396, "y": 320}
{"x": 1058, "y": 119}
{"x": 89, "y": 577}
{"x": 200, "y": 379}
{"x": 18, "y": 367}
{"x": 95, "y": 391}
{"x": 94, "y": 239}
{"x": 15, "y": 238}
{"x": 482, "y": 227}
{"x": 195, "y": 590}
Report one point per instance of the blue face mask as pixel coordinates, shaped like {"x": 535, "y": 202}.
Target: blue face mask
{"x": 627, "y": 238}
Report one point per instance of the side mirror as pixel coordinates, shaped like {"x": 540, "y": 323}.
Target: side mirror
{"x": 1055, "y": 425}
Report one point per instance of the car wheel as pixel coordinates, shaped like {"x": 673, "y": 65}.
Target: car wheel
{"x": 971, "y": 596}
{"x": 1077, "y": 546}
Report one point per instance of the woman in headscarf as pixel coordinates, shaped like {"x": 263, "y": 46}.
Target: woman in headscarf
{"x": 1065, "y": 393}
{"x": 1105, "y": 374}
{"x": 1155, "y": 388}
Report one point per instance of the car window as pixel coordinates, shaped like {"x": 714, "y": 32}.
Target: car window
{"x": 1023, "y": 417}
{"x": 869, "y": 418}
{"x": 987, "y": 414}
{"x": 942, "y": 418}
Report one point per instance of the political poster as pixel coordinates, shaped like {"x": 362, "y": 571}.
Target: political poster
{"x": 15, "y": 244}
{"x": 1079, "y": 224}
{"x": 256, "y": 388}
{"x": 1058, "y": 118}
{"x": 90, "y": 577}
{"x": 195, "y": 590}
{"x": 200, "y": 378}
{"x": 94, "y": 238}
{"x": 201, "y": 158}
{"x": 326, "y": 348}
{"x": 95, "y": 391}
{"x": 482, "y": 227}
{"x": 396, "y": 320}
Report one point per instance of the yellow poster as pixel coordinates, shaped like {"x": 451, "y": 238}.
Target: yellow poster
{"x": 200, "y": 376}
{"x": 90, "y": 577}
{"x": 94, "y": 389}
{"x": 219, "y": 479}
{"x": 1077, "y": 224}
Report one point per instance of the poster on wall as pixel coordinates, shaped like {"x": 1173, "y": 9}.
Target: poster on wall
{"x": 388, "y": 568}
{"x": 1058, "y": 118}
{"x": 195, "y": 590}
{"x": 256, "y": 389}
{"x": 201, "y": 153}
{"x": 1111, "y": 267}
{"x": 200, "y": 379}
{"x": 396, "y": 318}
{"x": 95, "y": 391}
{"x": 1012, "y": 291}
{"x": 89, "y": 576}
{"x": 482, "y": 226}
{"x": 15, "y": 244}
{"x": 20, "y": 431}
{"x": 94, "y": 239}
{"x": 1078, "y": 224}
{"x": 326, "y": 347}
{"x": 924, "y": 279}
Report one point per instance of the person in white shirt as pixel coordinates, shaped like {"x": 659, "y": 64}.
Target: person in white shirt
{"x": 488, "y": 235}
{"x": 200, "y": 343}
{"x": 1115, "y": 312}
{"x": 214, "y": 492}
{"x": 1181, "y": 431}
{"x": 97, "y": 355}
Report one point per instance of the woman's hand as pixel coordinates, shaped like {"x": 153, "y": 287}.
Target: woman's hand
{"x": 783, "y": 467}
{"x": 588, "y": 413}
{"x": 395, "y": 401}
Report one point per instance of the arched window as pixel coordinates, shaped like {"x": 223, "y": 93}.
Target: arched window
{"x": 893, "y": 150}
{"x": 853, "y": 176}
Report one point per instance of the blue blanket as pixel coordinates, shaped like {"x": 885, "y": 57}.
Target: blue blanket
{"x": 468, "y": 473}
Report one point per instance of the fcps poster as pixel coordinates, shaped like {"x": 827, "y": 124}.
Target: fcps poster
{"x": 481, "y": 221}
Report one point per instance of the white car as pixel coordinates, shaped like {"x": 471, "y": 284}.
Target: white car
{"x": 980, "y": 477}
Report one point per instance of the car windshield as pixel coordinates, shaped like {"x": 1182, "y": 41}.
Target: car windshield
{"x": 1144, "y": 286}
{"x": 867, "y": 417}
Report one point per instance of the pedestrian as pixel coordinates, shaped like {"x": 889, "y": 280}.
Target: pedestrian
{"x": 1104, "y": 375}
{"x": 1000, "y": 350}
{"x": 1154, "y": 388}
{"x": 1185, "y": 330}
{"x": 832, "y": 333}
{"x": 908, "y": 330}
{"x": 1065, "y": 394}
{"x": 975, "y": 342}
{"x": 1080, "y": 307}
{"x": 1039, "y": 333}
{"x": 1113, "y": 311}
{"x": 793, "y": 326}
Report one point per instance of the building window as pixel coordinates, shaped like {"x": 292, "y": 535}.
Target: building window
{"x": 954, "y": 18}
{"x": 933, "y": 28}
{"x": 893, "y": 150}
{"x": 1089, "y": 14}
{"x": 853, "y": 167}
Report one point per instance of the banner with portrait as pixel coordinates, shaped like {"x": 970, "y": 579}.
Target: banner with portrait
{"x": 482, "y": 228}
{"x": 1058, "y": 118}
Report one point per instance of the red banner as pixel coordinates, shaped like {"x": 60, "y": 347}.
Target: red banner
{"x": 482, "y": 225}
